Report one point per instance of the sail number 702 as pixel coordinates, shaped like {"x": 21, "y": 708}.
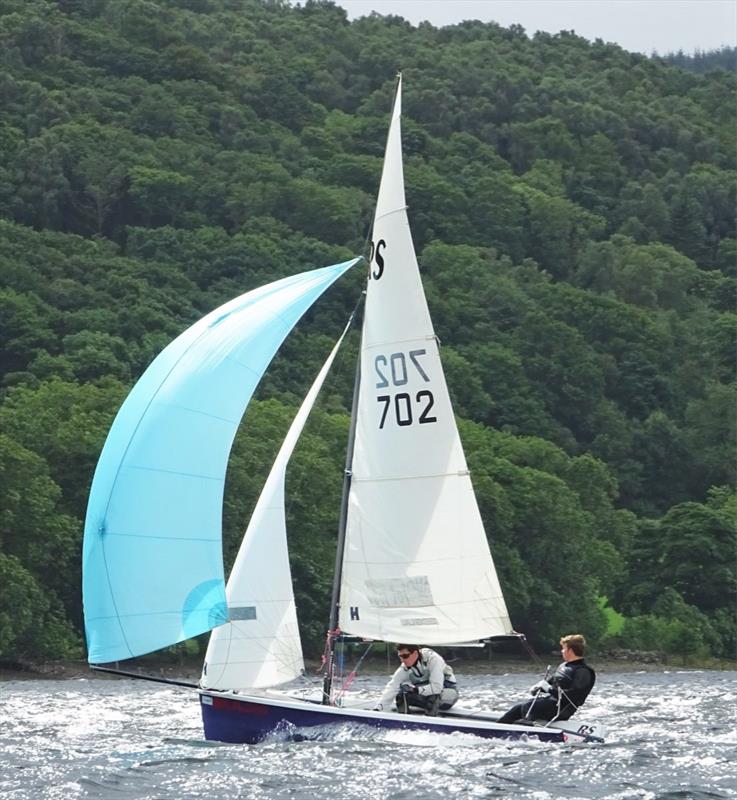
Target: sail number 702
{"x": 403, "y": 407}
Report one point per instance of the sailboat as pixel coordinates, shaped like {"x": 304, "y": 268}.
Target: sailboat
{"x": 413, "y": 561}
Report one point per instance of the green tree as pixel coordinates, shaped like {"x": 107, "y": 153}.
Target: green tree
{"x": 66, "y": 425}
{"x": 31, "y": 625}
{"x": 711, "y": 431}
{"x": 35, "y": 532}
{"x": 160, "y": 196}
{"x": 23, "y": 329}
{"x": 698, "y": 544}
{"x": 556, "y": 230}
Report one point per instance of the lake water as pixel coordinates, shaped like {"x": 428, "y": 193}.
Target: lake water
{"x": 672, "y": 736}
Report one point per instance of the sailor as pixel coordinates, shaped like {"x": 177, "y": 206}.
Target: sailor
{"x": 559, "y": 698}
{"x": 423, "y": 680}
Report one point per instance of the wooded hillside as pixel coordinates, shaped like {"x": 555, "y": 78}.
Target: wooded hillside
{"x": 573, "y": 210}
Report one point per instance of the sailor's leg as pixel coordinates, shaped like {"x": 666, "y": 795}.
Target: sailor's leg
{"x": 430, "y": 703}
{"x": 545, "y": 708}
{"x": 403, "y": 702}
{"x": 448, "y": 698}
{"x": 516, "y": 712}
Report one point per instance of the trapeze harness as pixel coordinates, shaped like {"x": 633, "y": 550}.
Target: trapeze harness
{"x": 570, "y": 686}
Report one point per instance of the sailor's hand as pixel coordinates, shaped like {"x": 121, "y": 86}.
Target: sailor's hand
{"x": 378, "y": 707}
{"x": 407, "y": 688}
{"x": 540, "y": 686}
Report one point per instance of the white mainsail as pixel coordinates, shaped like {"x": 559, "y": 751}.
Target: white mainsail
{"x": 417, "y": 565}
{"x": 260, "y": 646}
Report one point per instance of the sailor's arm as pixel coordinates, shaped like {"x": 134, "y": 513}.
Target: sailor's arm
{"x": 390, "y": 691}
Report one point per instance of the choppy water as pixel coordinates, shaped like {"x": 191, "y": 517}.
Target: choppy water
{"x": 672, "y": 736}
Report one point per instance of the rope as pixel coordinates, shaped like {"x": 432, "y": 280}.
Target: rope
{"x": 299, "y": 475}
{"x": 561, "y": 694}
{"x": 354, "y": 672}
{"x": 325, "y": 657}
{"x": 537, "y": 695}
{"x": 526, "y": 647}
{"x": 327, "y": 662}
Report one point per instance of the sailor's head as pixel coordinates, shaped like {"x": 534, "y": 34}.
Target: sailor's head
{"x": 408, "y": 654}
{"x": 572, "y": 646}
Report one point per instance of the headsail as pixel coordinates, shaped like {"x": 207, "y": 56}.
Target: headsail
{"x": 152, "y": 560}
{"x": 260, "y": 646}
{"x": 417, "y": 565}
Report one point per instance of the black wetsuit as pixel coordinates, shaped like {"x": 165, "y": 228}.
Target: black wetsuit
{"x": 569, "y": 687}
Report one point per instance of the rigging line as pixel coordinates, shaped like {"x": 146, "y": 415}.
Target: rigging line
{"x": 338, "y": 368}
{"x": 563, "y": 694}
{"x": 526, "y": 646}
{"x": 353, "y": 673}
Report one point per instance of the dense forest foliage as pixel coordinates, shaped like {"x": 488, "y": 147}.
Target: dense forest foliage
{"x": 573, "y": 209}
{"x": 704, "y": 60}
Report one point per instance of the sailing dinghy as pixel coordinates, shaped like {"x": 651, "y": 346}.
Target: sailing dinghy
{"x": 413, "y": 561}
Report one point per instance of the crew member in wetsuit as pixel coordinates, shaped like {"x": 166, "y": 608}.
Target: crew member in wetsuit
{"x": 566, "y": 691}
{"x": 422, "y": 680}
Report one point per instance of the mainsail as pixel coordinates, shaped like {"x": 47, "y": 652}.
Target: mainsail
{"x": 152, "y": 560}
{"x": 260, "y": 645}
{"x": 417, "y": 565}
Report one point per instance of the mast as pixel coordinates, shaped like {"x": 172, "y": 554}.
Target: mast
{"x": 347, "y": 476}
{"x": 342, "y": 523}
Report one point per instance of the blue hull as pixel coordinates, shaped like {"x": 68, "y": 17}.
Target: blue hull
{"x": 250, "y": 720}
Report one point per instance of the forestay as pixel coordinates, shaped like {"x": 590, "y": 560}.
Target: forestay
{"x": 152, "y": 560}
{"x": 417, "y": 566}
{"x": 260, "y": 646}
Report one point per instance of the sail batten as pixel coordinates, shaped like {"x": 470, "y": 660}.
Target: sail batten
{"x": 160, "y": 478}
{"x": 384, "y": 214}
{"x": 418, "y": 476}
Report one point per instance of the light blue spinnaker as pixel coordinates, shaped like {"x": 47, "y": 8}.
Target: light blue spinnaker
{"x": 152, "y": 561}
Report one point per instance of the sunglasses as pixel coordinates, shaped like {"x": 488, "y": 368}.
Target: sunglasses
{"x": 404, "y": 656}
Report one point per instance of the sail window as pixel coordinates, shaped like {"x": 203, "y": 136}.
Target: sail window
{"x": 241, "y": 613}
{"x": 409, "y": 592}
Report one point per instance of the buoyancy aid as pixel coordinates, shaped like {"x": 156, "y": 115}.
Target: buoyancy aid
{"x": 421, "y": 672}
{"x": 572, "y": 682}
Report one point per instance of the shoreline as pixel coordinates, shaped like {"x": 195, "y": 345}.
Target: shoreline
{"x": 190, "y": 670}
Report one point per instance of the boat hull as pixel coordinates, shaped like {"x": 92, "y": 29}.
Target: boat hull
{"x": 249, "y": 719}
